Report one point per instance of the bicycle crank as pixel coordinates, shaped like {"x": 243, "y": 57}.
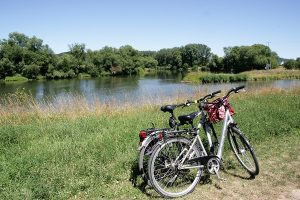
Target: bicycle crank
{"x": 213, "y": 165}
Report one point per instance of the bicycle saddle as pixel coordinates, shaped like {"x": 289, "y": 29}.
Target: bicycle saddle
{"x": 186, "y": 119}
{"x": 168, "y": 108}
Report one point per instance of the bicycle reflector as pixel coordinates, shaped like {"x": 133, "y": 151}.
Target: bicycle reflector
{"x": 143, "y": 135}
{"x": 160, "y": 136}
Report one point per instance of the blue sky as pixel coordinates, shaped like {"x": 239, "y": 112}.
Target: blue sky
{"x": 156, "y": 24}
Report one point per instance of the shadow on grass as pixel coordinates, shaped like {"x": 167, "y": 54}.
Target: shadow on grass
{"x": 141, "y": 183}
{"x": 245, "y": 177}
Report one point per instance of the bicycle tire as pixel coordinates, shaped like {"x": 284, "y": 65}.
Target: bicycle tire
{"x": 240, "y": 147}
{"x": 144, "y": 157}
{"x": 160, "y": 158}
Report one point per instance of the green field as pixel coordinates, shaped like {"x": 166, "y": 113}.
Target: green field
{"x": 255, "y": 75}
{"x": 77, "y": 152}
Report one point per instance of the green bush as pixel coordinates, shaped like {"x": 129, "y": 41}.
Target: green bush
{"x": 290, "y": 64}
{"x": 70, "y": 74}
{"x": 31, "y": 71}
{"x": 6, "y": 68}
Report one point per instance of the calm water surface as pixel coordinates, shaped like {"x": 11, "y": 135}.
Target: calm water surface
{"x": 130, "y": 88}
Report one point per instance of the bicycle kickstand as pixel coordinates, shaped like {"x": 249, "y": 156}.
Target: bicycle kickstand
{"x": 218, "y": 175}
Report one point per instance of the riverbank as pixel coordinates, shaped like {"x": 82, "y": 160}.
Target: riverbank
{"x": 76, "y": 152}
{"x": 255, "y": 75}
{"x": 19, "y": 78}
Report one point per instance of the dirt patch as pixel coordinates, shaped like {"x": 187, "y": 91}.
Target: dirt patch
{"x": 292, "y": 195}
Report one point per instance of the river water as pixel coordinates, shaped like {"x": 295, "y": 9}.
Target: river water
{"x": 130, "y": 88}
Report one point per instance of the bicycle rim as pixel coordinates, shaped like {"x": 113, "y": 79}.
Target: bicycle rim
{"x": 243, "y": 151}
{"x": 144, "y": 157}
{"x": 164, "y": 174}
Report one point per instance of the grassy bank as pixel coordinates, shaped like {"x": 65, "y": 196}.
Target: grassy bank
{"x": 75, "y": 152}
{"x": 16, "y": 78}
{"x": 255, "y": 75}
{"x": 275, "y": 74}
{"x": 207, "y": 77}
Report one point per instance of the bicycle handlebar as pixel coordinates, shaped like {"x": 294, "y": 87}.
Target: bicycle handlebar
{"x": 217, "y": 92}
{"x": 235, "y": 90}
{"x": 209, "y": 96}
{"x": 212, "y": 95}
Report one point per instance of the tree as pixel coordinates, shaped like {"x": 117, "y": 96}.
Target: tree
{"x": 290, "y": 64}
{"x": 216, "y": 64}
{"x": 31, "y": 71}
{"x": 243, "y": 58}
{"x": 78, "y": 51}
{"x": 22, "y": 51}
{"x": 196, "y": 54}
{"x": 6, "y": 68}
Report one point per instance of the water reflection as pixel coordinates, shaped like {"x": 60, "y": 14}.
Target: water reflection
{"x": 129, "y": 88}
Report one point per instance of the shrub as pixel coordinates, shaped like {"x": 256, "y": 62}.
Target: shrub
{"x": 6, "y": 68}
{"x": 290, "y": 64}
{"x": 17, "y": 77}
{"x": 31, "y": 71}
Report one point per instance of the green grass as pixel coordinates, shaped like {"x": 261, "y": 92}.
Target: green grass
{"x": 91, "y": 156}
{"x": 255, "y": 75}
{"x": 18, "y": 78}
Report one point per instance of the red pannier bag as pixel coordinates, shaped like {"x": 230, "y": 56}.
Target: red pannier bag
{"x": 216, "y": 110}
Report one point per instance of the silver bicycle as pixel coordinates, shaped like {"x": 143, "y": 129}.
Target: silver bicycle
{"x": 150, "y": 137}
{"x": 176, "y": 165}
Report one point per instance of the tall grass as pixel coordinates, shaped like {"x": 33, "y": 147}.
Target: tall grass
{"x": 76, "y": 152}
{"x": 255, "y": 75}
{"x": 275, "y": 74}
{"x": 206, "y": 77}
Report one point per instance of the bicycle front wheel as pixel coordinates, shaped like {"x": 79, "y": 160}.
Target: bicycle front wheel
{"x": 243, "y": 151}
{"x": 165, "y": 175}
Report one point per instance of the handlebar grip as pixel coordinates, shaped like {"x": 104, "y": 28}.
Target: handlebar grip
{"x": 217, "y": 92}
{"x": 191, "y": 101}
{"x": 239, "y": 88}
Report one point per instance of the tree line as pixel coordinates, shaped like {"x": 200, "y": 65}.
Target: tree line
{"x": 292, "y": 64}
{"x": 30, "y": 57}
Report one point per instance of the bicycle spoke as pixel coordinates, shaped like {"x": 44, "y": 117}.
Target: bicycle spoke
{"x": 243, "y": 151}
{"x": 167, "y": 176}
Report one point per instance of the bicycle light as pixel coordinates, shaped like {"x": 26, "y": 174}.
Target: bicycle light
{"x": 142, "y": 135}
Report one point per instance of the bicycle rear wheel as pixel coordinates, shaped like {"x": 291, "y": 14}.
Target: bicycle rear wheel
{"x": 243, "y": 151}
{"x": 165, "y": 176}
{"x": 144, "y": 157}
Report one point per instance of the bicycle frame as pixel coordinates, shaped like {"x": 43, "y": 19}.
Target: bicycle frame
{"x": 227, "y": 121}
